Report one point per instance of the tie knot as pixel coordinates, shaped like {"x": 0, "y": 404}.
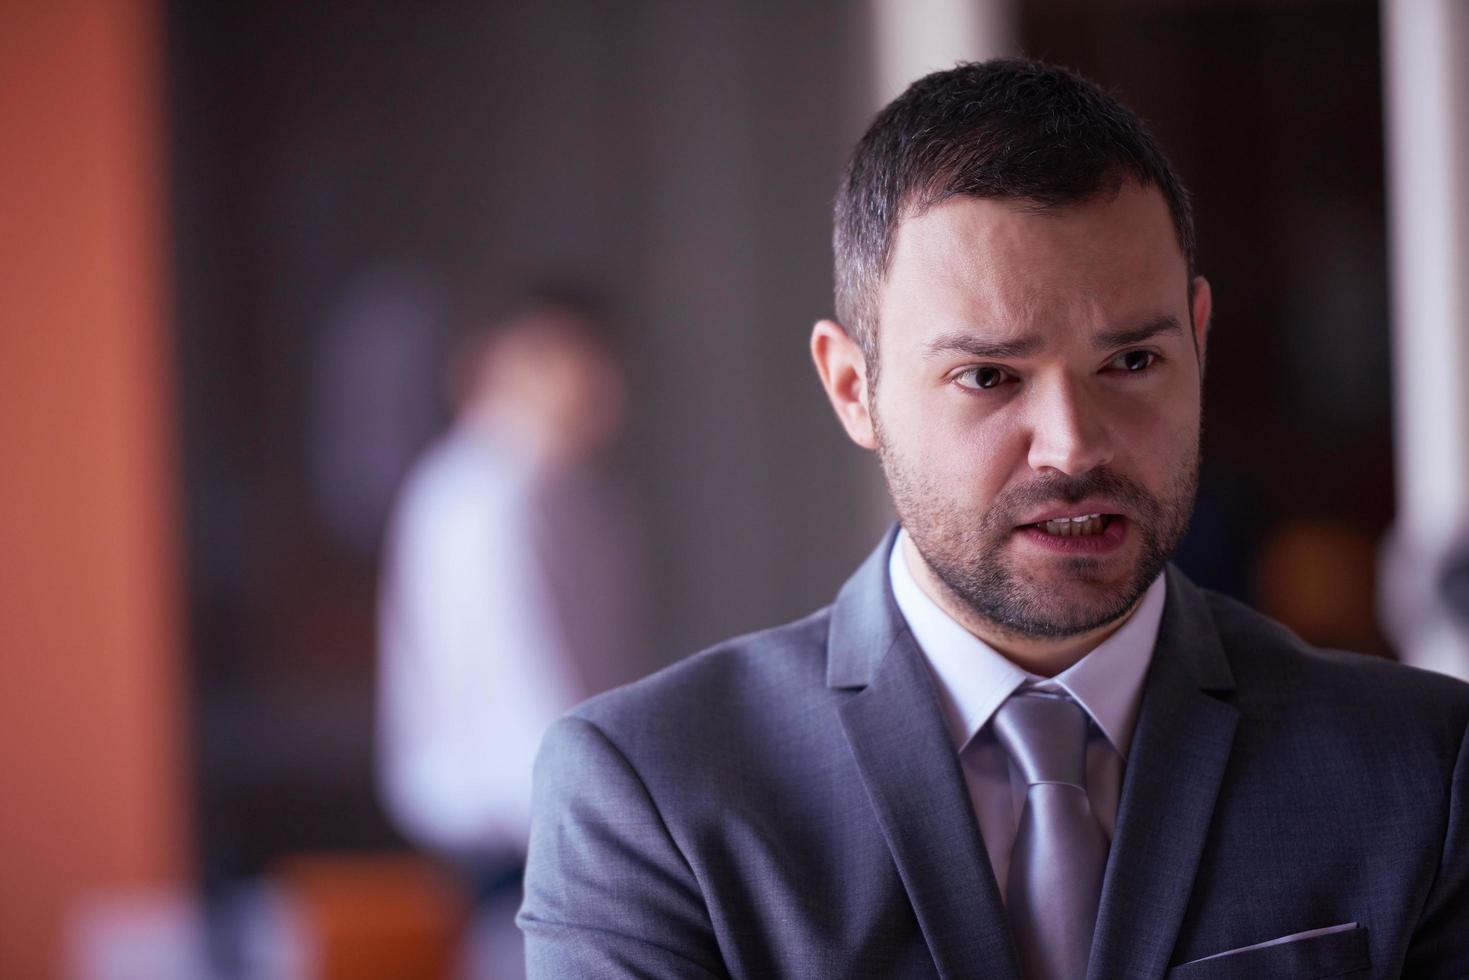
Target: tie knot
{"x": 1045, "y": 735}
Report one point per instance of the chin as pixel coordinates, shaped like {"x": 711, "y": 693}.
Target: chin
{"x": 1076, "y": 619}
{"x": 1096, "y": 578}
{"x": 1062, "y": 602}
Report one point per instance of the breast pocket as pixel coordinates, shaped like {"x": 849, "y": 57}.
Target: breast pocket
{"x": 1337, "y": 951}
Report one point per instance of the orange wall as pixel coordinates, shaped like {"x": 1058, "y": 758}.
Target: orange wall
{"x": 90, "y": 639}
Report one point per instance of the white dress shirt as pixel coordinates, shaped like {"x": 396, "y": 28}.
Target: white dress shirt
{"x": 477, "y": 654}
{"x": 974, "y": 680}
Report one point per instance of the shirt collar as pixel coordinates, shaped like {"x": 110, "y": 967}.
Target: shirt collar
{"x": 975, "y": 679}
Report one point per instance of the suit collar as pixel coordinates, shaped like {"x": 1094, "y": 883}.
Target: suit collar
{"x": 864, "y": 621}
{"x": 910, "y": 769}
{"x": 1180, "y": 750}
{"x": 912, "y": 775}
{"x": 1189, "y": 635}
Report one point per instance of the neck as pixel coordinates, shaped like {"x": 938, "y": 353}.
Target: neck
{"x": 517, "y": 430}
{"x": 1042, "y": 656}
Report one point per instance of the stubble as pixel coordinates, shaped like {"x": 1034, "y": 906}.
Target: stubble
{"x": 973, "y": 555}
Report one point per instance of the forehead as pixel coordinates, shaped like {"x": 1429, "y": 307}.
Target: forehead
{"x": 1005, "y": 264}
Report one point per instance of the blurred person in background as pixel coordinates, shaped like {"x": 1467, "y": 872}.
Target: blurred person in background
{"x": 510, "y": 584}
{"x": 1020, "y": 743}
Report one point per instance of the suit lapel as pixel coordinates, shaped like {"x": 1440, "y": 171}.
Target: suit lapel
{"x": 1176, "y": 763}
{"x": 911, "y": 771}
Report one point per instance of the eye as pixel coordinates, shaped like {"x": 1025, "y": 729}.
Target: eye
{"x": 983, "y": 377}
{"x": 1133, "y": 361}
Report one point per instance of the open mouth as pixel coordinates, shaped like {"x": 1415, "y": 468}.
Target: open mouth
{"x": 1081, "y": 526}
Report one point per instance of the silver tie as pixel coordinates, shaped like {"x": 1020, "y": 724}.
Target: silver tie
{"x": 1060, "y": 850}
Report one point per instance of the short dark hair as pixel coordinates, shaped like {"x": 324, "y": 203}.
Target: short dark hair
{"x": 1005, "y": 128}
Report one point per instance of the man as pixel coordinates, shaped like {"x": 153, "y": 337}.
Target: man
{"x": 508, "y": 588}
{"x": 1019, "y": 743}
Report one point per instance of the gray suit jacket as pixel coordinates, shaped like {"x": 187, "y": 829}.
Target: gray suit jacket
{"x": 789, "y": 804}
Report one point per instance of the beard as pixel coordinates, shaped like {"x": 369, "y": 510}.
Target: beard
{"x": 1079, "y": 593}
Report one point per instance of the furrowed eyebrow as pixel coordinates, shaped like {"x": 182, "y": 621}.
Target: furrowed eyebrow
{"x": 1112, "y": 339}
{"x": 969, "y": 345}
{"x": 978, "y": 347}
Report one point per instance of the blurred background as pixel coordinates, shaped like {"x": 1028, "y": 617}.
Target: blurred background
{"x": 239, "y": 244}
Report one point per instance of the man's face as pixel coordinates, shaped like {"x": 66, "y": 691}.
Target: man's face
{"x": 1038, "y": 367}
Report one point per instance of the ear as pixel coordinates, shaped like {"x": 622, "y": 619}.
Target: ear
{"x": 1203, "y": 309}
{"x": 843, "y": 372}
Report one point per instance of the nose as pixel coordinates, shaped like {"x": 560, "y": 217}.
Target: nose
{"x": 1068, "y": 433}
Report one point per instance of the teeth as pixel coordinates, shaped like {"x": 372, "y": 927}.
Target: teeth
{"x": 1070, "y": 527}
